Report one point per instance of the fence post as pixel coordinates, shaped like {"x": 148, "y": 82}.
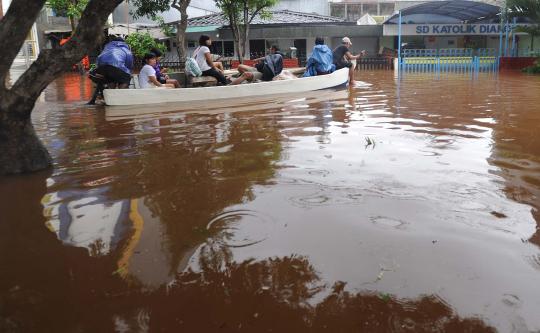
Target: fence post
{"x": 399, "y": 42}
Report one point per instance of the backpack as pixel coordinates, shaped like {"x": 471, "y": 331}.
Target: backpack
{"x": 192, "y": 67}
{"x": 271, "y": 66}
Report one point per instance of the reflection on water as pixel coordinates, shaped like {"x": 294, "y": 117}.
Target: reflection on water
{"x": 407, "y": 206}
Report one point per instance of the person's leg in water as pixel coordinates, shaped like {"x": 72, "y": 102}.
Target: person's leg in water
{"x": 352, "y": 82}
{"x": 98, "y": 91}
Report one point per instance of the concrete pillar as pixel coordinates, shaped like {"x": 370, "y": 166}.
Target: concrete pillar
{"x": 378, "y": 8}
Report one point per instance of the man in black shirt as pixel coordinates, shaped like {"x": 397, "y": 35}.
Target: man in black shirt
{"x": 343, "y": 57}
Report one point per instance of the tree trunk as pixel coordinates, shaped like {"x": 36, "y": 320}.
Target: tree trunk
{"x": 72, "y": 24}
{"x": 181, "y": 28}
{"x": 21, "y": 150}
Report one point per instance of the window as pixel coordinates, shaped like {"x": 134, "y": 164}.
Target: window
{"x": 354, "y": 12}
{"x": 217, "y": 47}
{"x": 190, "y": 44}
{"x": 228, "y": 48}
{"x": 387, "y": 9}
{"x": 337, "y": 10}
{"x": 370, "y": 8}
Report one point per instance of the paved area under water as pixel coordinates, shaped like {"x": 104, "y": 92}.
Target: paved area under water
{"x": 407, "y": 206}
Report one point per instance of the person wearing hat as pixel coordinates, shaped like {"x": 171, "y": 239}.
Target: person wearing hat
{"x": 343, "y": 57}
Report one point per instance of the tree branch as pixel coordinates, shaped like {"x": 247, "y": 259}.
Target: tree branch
{"x": 14, "y": 28}
{"x": 52, "y": 63}
{"x": 257, "y": 11}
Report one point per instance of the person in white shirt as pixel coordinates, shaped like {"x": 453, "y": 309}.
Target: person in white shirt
{"x": 147, "y": 75}
{"x": 204, "y": 59}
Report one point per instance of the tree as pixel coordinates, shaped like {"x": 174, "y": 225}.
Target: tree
{"x": 142, "y": 43}
{"x": 240, "y": 14}
{"x": 20, "y": 148}
{"x": 529, "y": 9}
{"x": 73, "y": 9}
{"x": 152, "y": 7}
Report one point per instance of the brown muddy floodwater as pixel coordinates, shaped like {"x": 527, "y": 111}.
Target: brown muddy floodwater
{"x": 407, "y": 206}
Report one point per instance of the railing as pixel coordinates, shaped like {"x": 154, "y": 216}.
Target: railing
{"x": 450, "y": 64}
{"x": 369, "y": 63}
{"x": 418, "y": 53}
{"x": 449, "y": 60}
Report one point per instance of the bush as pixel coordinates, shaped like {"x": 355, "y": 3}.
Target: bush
{"x": 534, "y": 69}
{"x": 142, "y": 43}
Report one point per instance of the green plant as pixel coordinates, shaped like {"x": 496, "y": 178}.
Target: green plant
{"x": 534, "y": 69}
{"x": 240, "y": 14}
{"x": 72, "y": 9}
{"x": 142, "y": 43}
{"x": 167, "y": 29}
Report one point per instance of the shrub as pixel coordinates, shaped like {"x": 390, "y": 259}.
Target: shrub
{"x": 142, "y": 43}
{"x": 534, "y": 69}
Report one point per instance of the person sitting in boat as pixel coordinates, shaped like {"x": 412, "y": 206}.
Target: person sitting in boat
{"x": 114, "y": 67}
{"x": 147, "y": 76}
{"x": 321, "y": 61}
{"x": 160, "y": 73}
{"x": 204, "y": 59}
{"x": 267, "y": 68}
{"x": 343, "y": 58}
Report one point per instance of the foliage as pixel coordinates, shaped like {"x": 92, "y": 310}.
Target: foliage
{"x": 534, "y": 69}
{"x": 524, "y": 8}
{"x": 142, "y": 43}
{"x": 68, "y": 8}
{"x": 244, "y": 11}
{"x": 167, "y": 29}
{"x": 240, "y": 14}
{"x": 149, "y": 8}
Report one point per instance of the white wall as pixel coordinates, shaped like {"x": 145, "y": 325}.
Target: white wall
{"x": 5, "y": 5}
{"x": 321, "y": 7}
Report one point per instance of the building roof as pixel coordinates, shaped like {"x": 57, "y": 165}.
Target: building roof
{"x": 459, "y": 10}
{"x": 277, "y": 17}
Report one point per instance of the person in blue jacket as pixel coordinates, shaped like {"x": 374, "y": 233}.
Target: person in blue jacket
{"x": 116, "y": 63}
{"x": 114, "y": 67}
{"x": 321, "y": 61}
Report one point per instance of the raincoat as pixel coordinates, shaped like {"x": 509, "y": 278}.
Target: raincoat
{"x": 320, "y": 61}
{"x": 117, "y": 54}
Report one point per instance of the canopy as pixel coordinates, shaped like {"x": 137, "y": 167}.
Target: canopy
{"x": 455, "y": 11}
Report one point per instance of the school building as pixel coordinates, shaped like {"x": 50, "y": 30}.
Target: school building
{"x": 433, "y": 25}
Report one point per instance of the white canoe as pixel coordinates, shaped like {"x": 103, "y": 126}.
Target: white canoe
{"x": 154, "y": 96}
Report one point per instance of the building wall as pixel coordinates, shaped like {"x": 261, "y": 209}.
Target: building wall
{"x": 320, "y": 7}
{"x": 524, "y": 45}
{"x": 32, "y": 43}
{"x": 5, "y": 5}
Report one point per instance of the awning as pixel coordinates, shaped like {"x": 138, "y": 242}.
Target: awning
{"x": 455, "y": 11}
{"x": 208, "y": 28}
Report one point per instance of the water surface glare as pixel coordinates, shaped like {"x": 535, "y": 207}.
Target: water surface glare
{"x": 408, "y": 206}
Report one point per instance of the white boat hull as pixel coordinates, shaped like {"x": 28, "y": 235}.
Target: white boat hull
{"x": 156, "y": 96}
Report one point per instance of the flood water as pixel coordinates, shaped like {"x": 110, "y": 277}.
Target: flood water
{"x": 408, "y": 206}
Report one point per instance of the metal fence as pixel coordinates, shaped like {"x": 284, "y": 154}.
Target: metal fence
{"x": 449, "y": 60}
{"x": 368, "y": 63}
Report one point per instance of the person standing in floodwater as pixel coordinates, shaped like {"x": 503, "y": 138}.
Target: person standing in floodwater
{"x": 343, "y": 58}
